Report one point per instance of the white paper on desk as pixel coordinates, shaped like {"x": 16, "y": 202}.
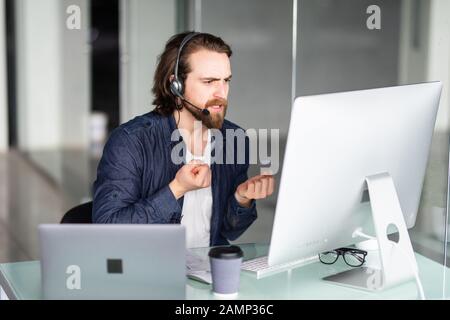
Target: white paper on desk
{"x": 196, "y": 263}
{"x": 198, "y": 268}
{"x": 202, "y": 276}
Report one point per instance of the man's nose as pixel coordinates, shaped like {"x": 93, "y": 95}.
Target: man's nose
{"x": 221, "y": 90}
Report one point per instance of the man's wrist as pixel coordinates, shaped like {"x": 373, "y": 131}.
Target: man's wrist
{"x": 242, "y": 201}
{"x": 176, "y": 189}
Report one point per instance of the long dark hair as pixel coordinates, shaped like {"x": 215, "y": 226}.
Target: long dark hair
{"x": 164, "y": 99}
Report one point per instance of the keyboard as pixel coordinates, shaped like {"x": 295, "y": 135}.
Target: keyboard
{"x": 260, "y": 268}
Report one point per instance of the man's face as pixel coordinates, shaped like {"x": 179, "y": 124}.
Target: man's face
{"x": 207, "y": 86}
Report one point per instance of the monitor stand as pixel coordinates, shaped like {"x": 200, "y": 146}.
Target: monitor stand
{"x": 398, "y": 263}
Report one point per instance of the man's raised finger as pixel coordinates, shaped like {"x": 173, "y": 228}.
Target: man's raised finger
{"x": 271, "y": 185}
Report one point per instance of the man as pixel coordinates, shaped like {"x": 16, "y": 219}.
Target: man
{"x": 138, "y": 180}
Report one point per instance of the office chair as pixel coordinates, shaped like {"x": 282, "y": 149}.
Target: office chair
{"x": 79, "y": 214}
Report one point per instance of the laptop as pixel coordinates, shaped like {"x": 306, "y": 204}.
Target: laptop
{"x": 112, "y": 261}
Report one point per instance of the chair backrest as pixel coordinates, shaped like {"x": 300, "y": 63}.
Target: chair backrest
{"x": 79, "y": 214}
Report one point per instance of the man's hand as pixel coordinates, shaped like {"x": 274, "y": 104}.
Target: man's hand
{"x": 193, "y": 175}
{"x": 258, "y": 187}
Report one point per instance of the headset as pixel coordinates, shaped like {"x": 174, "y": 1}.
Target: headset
{"x": 176, "y": 85}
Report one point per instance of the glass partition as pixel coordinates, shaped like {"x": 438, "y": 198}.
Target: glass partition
{"x": 338, "y": 51}
{"x": 334, "y": 46}
{"x": 260, "y": 34}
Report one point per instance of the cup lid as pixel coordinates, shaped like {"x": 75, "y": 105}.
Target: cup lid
{"x": 229, "y": 252}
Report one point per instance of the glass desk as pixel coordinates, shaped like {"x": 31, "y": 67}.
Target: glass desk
{"x": 22, "y": 280}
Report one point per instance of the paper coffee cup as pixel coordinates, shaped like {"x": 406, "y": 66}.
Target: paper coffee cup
{"x": 226, "y": 270}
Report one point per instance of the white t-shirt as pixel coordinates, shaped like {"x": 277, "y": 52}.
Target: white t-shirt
{"x": 197, "y": 207}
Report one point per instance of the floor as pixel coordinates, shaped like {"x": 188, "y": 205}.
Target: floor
{"x": 27, "y": 198}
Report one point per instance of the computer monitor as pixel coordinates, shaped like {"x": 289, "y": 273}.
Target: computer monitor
{"x": 334, "y": 142}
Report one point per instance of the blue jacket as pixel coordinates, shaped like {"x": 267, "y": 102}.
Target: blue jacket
{"x": 136, "y": 168}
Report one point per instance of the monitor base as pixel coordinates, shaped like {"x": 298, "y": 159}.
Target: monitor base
{"x": 397, "y": 260}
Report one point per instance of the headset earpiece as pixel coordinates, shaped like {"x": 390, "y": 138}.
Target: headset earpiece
{"x": 176, "y": 88}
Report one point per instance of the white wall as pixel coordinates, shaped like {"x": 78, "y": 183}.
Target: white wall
{"x": 145, "y": 27}
{"x": 3, "y": 83}
{"x": 52, "y": 76}
{"x": 438, "y": 62}
{"x": 38, "y": 73}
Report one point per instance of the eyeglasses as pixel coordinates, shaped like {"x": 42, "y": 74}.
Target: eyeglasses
{"x": 352, "y": 257}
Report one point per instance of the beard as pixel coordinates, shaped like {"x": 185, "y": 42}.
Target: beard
{"x": 212, "y": 120}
